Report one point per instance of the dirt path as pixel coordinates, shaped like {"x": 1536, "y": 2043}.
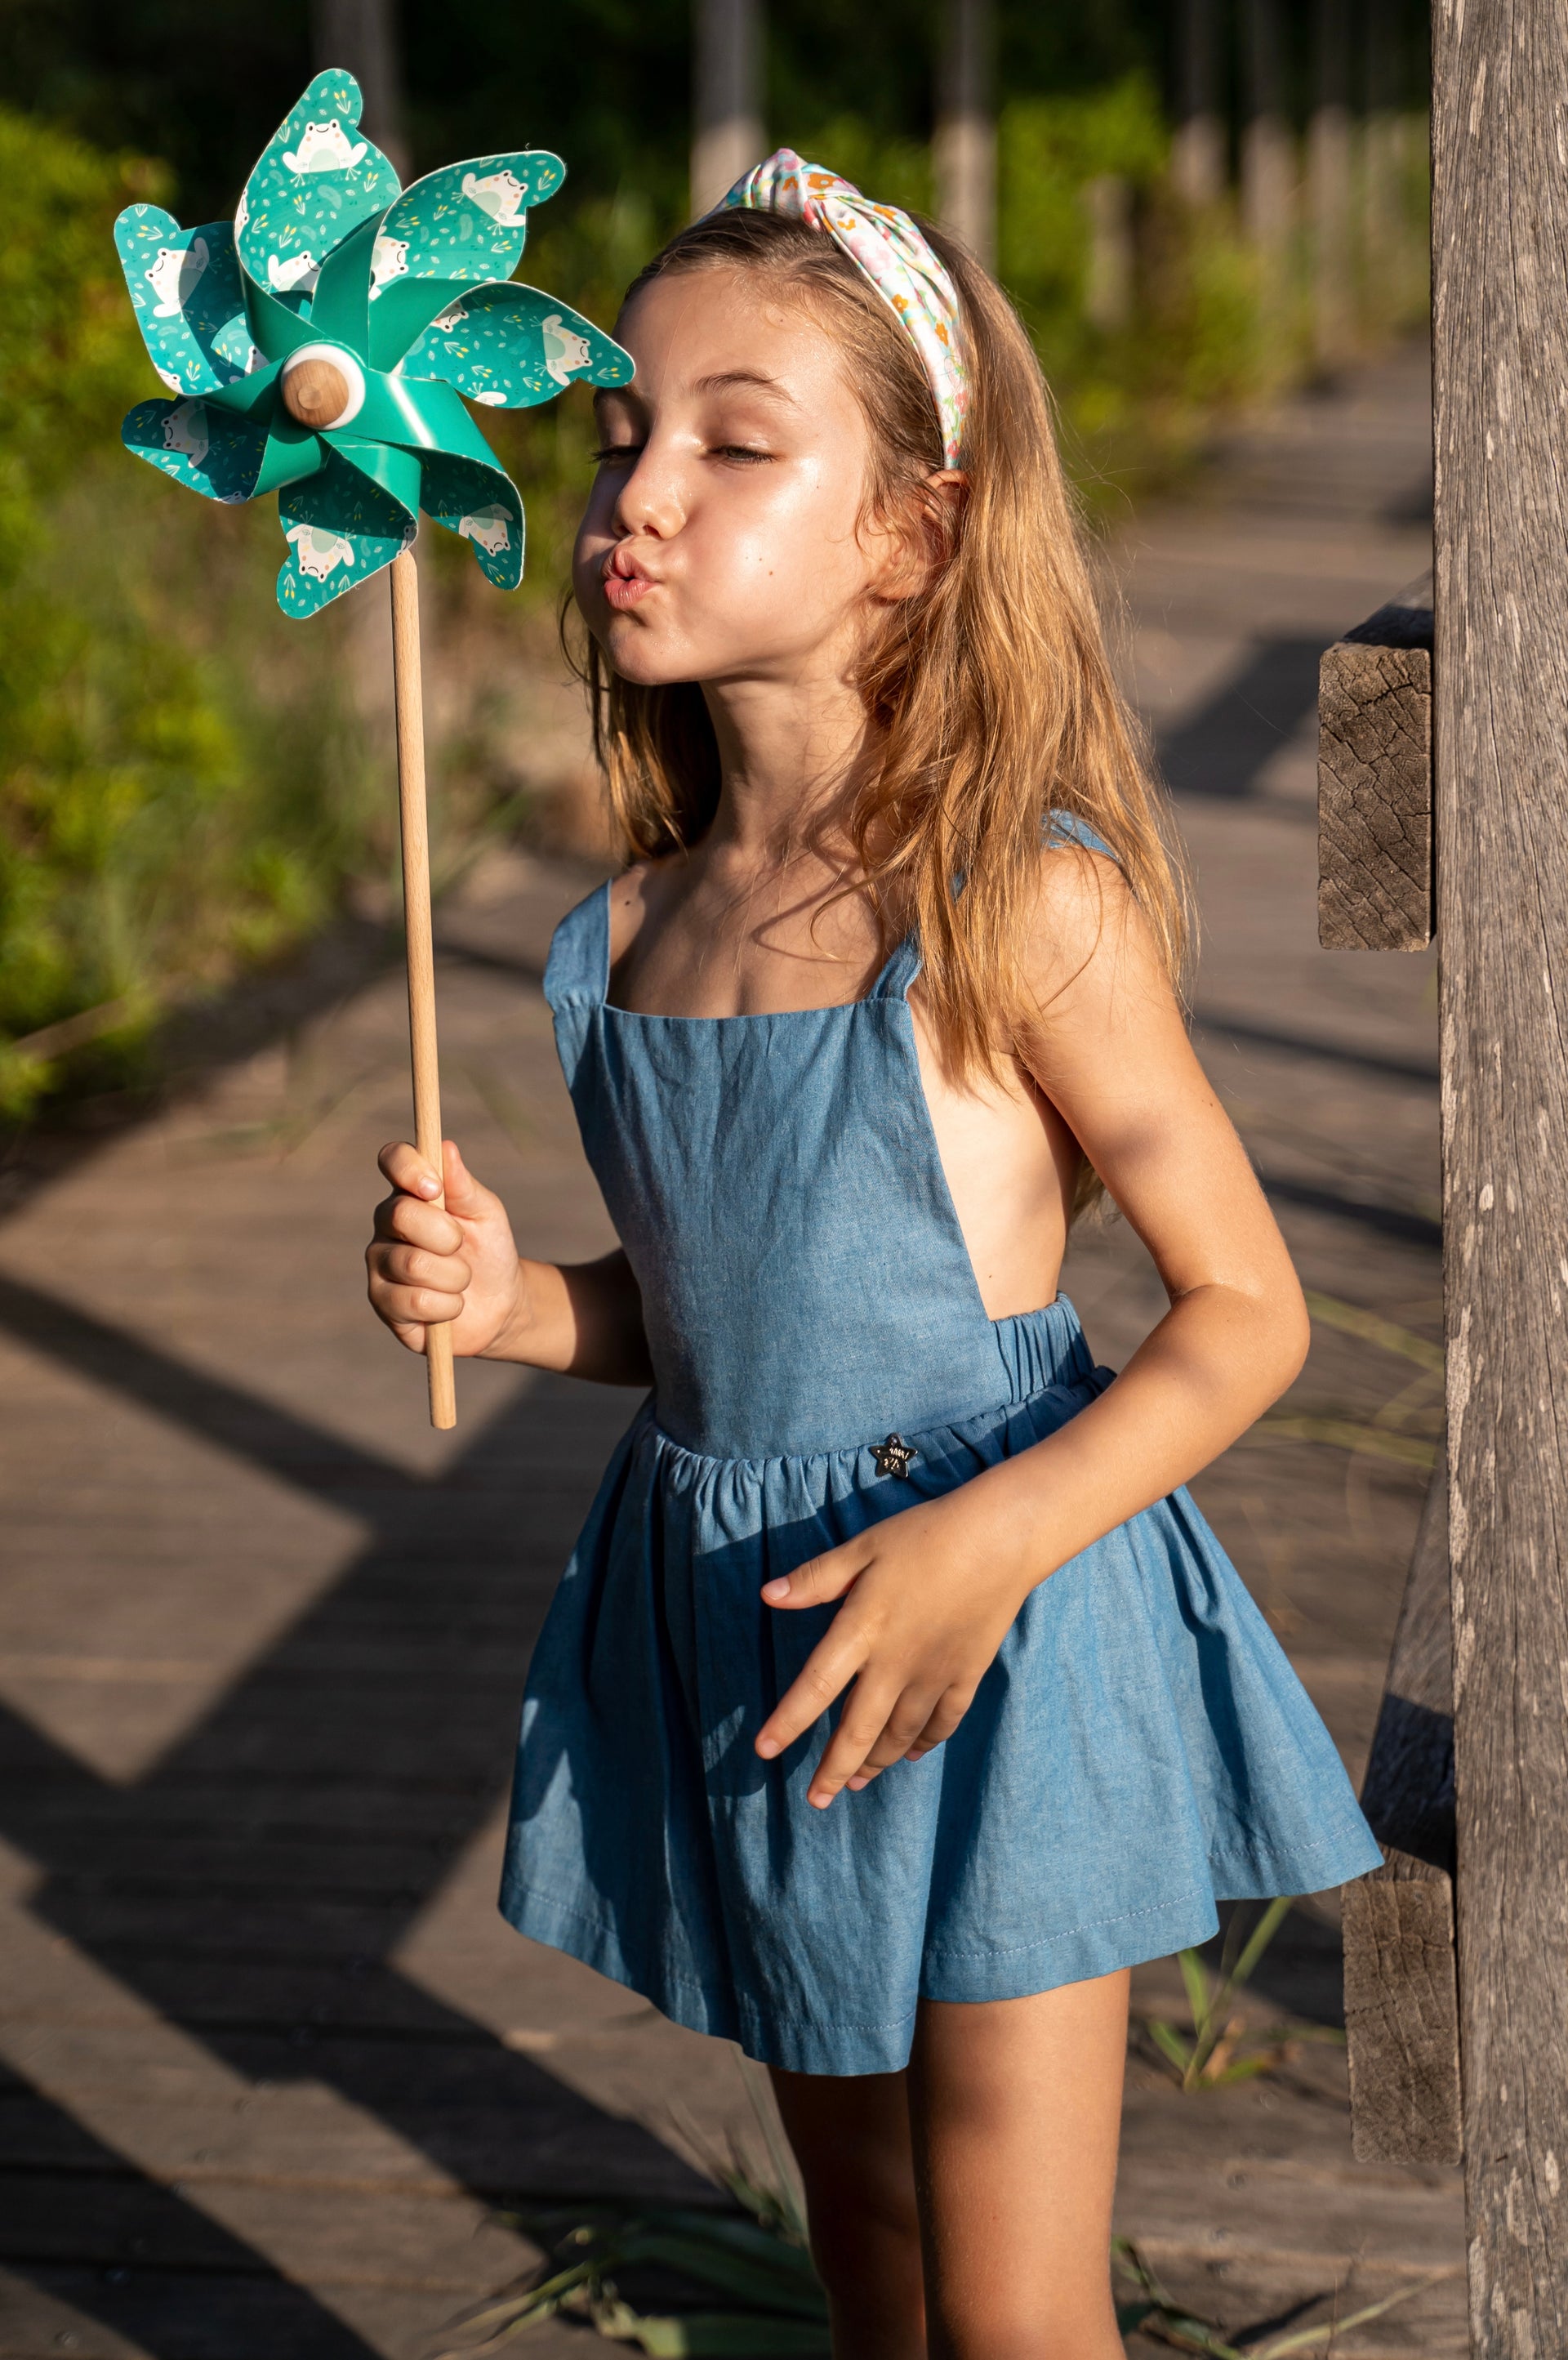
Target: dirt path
{"x": 270, "y": 2055}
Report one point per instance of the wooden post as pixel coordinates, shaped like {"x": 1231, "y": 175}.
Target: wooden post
{"x": 1328, "y": 175}
{"x": 1198, "y": 146}
{"x": 409, "y": 700}
{"x": 1500, "y": 681}
{"x": 965, "y": 143}
{"x": 1267, "y": 164}
{"x": 363, "y": 36}
{"x": 727, "y": 137}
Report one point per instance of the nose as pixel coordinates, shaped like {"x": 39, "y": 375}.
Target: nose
{"x": 650, "y": 498}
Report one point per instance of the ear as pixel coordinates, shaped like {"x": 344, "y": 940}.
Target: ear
{"x": 920, "y": 538}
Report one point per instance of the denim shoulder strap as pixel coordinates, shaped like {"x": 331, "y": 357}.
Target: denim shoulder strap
{"x": 577, "y": 969}
{"x": 1061, "y": 827}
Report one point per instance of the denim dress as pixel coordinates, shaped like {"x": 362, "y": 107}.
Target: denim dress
{"x": 1139, "y": 1747}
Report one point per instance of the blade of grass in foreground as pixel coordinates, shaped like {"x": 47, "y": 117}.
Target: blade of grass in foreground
{"x": 1159, "y": 2314}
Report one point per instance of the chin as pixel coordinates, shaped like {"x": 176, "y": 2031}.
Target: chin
{"x": 637, "y": 654}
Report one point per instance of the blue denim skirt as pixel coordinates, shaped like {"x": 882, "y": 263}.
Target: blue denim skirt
{"x": 1140, "y": 1749}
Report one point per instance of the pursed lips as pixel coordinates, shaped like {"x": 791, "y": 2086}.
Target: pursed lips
{"x": 626, "y": 581}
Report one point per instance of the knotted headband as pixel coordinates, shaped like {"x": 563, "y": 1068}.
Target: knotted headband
{"x": 891, "y": 250}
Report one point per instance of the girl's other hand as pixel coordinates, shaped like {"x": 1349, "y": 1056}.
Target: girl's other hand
{"x": 433, "y": 1267}
{"x": 929, "y": 1595}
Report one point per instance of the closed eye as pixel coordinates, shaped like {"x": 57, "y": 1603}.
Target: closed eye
{"x": 741, "y": 452}
{"x": 616, "y": 451}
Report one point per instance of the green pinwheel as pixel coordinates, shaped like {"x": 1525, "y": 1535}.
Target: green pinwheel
{"x": 321, "y": 346}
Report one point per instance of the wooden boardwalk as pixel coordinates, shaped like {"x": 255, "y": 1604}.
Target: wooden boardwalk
{"x": 269, "y": 2058}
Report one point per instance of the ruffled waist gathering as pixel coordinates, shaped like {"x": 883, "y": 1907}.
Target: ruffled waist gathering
{"x": 1032, "y": 1353}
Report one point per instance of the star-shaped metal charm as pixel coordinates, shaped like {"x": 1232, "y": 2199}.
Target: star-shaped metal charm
{"x": 893, "y": 1456}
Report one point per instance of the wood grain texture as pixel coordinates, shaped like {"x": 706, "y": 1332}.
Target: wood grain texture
{"x": 408, "y": 694}
{"x": 1374, "y": 853}
{"x": 1401, "y": 1993}
{"x": 1500, "y": 664}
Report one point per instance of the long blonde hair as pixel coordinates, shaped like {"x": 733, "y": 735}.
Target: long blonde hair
{"x": 992, "y": 691}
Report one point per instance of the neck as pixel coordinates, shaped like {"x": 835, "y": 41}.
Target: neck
{"x": 790, "y": 755}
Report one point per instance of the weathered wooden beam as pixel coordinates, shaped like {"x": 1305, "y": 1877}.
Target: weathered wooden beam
{"x": 1500, "y": 681}
{"x": 1375, "y": 836}
{"x": 1402, "y": 1999}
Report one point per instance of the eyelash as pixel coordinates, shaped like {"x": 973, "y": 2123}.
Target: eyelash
{"x": 730, "y": 451}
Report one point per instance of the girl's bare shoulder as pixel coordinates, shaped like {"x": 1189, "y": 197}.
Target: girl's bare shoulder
{"x": 1082, "y": 915}
{"x": 630, "y": 895}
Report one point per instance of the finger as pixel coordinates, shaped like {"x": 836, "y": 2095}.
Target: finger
{"x": 464, "y": 1194}
{"x": 861, "y": 1723}
{"x": 410, "y": 1332}
{"x": 406, "y": 1169}
{"x": 949, "y": 1712}
{"x": 821, "y": 1579}
{"x": 825, "y": 1674}
{"x": 407, "y": 1306}
{"x": 412, "y": 1266}
{"x": 418, "y": 1224}
{"x": 909, "y": 1717}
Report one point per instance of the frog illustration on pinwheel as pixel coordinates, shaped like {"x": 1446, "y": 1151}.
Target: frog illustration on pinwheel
{"x": 321, "y": 344}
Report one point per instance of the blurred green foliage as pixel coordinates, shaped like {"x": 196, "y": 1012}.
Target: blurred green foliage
{"x": 162, "y": 815}
{"x": 186, "y": 780}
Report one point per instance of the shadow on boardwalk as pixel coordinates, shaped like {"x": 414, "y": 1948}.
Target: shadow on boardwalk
{"x": 253, "y": 1888}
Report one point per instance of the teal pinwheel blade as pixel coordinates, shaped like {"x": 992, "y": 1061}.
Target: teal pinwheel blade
{"x": 510, "y": 346}
{"x": 189, "y": 304}
{"x": 317, "y": 179}
{"x": 481, "y": 506}
{"x": 342, "y": 528}
{"x": 206, "y": 448}
{"x": 467, "y": 222}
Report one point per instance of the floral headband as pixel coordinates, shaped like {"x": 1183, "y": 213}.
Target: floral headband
{"x": 894, "y": 256}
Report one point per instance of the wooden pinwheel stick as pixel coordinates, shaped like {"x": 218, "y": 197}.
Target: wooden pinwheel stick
{"x": 314, "y": 393}
{"x": 409, "y": 700}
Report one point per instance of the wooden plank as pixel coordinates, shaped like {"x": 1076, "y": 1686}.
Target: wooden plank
{"x": 1375, "y": 835}
{"x": 1500, "y": 676}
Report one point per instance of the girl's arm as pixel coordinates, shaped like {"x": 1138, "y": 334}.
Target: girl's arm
{"x": 459, "y": 1266}
{"x": 935, "y": 1589}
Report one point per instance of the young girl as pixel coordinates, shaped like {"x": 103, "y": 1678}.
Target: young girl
{"x": 896, "y": 1701}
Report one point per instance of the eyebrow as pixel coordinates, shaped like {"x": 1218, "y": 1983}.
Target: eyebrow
{"x": 722, "y": 382}
{"x": 753, "y": 377}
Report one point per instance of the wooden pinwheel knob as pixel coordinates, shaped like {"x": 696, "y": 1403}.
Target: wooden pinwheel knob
{"x": 322, "y": 386}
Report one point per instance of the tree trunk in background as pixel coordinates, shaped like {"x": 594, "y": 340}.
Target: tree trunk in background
{"x": 1198, "y": 148}
{"x": 1384, "y": 238}
{"x": 1500, "y": 733}
{"x": 1328, "y": 168}
{"x": 363, "y": 36}
{"x": 1108, "y": 283}
{"x": 1268, "y": 160}
{"x": 965, "y": 145}
{"x": 727, "y": 135}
